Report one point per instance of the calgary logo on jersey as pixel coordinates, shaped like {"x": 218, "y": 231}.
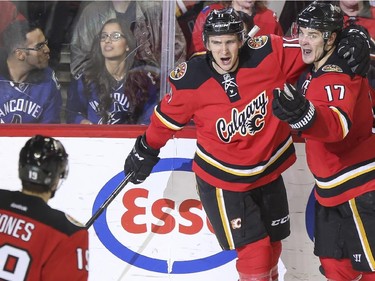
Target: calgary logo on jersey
{"x": 179, "y": 71}
{"x": 246, "y": 122}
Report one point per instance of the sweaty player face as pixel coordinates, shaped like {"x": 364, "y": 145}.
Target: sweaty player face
{"x": 224, "y": 49}
{"x": 312, "y": 44}
{"x": 314, "y": 48}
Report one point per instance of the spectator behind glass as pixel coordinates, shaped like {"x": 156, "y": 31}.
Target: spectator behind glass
{"x": 56, "y": 20}
{"x": 44, "y": 243}
{"x": 8, "y": 13}
{"x": 289, "y": 14}
{"x": 361, "y": 13}
{"x": 142, "y": 19}
{"x": 261, "y": 16}
{"x": 109, "y": 92}
{"x": 186, "y": 14}
{"x": 30, "y": 92}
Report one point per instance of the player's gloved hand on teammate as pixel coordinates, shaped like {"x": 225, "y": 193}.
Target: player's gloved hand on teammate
{"x": 354, "y": 46}
{"x": 141, "y": 160}
{"x": 290, "y": 106}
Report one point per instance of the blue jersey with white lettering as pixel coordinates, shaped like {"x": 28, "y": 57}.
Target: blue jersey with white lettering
{"x": 83, "y": 103}
{"x": 37, "y": 100}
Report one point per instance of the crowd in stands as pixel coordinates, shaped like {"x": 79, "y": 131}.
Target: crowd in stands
{"x": 115, "y": 50}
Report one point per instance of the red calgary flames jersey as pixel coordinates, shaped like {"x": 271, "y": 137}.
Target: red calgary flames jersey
{"x": 340, "y": 146}
{"x": 240, "y": 144}
{"x": 39, "y": 243}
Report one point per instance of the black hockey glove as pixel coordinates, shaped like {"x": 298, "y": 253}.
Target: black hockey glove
{"x": 290, "y": 106}
{"x": 355, "y": 47}
{"x": 141, "y": 160}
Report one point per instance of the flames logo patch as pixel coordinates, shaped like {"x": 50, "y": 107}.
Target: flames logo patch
{"x": 257, "y": 42}
{"x": 179, "y": 71}
{"x": 331, "y": 68}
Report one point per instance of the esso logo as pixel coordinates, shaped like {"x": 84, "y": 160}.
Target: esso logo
{"x": 167, "y": 222}
{"x": 160, "y": 225}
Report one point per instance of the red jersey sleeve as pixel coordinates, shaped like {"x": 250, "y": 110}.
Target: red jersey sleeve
{"x": 171, "y": 115}
{"x": 336, "y": 100}
{"x": 289, "y": 57}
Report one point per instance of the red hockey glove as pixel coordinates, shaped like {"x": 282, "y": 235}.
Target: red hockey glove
{"x": 290, "y": 106}
{"x": 141, "y": 160}
{"x": 355, "y": 47}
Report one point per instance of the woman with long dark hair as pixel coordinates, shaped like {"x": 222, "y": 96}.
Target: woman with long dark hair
{"x": 114, "y": 88}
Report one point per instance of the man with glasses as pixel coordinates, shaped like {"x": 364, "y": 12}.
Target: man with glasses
{"x": 29, "y": 90}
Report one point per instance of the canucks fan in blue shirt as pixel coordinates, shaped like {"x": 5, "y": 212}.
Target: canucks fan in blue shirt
{"x": 115, "y": 87}
{"x": 30, "y": 92}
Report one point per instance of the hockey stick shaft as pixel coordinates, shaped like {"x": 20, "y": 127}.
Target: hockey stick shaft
{"x": 112, "y": 196}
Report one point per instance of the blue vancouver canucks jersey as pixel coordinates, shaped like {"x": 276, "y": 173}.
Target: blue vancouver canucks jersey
{"x": 37, "y": 100}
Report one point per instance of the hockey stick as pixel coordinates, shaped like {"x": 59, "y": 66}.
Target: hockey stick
{"x": 114, "y": 193}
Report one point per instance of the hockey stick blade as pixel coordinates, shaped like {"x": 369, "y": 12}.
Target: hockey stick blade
{"x": 114, "y": 193}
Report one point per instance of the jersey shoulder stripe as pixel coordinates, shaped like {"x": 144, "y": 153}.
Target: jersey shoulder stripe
{"x": 291, "y": 42}
{"x": 166, "y": 120}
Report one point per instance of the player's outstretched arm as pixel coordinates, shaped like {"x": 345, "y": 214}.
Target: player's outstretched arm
{"x": 290, "y": 106}
{"x": 141, "y": 160}
{"x": 354, "y": 46}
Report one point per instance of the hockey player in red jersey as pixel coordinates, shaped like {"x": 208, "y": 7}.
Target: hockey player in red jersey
{"x": 38, "y": 243}
{"x": 257, "y": 14}
{"x": 333, "y": 112}
{"x": 242, "y": 149}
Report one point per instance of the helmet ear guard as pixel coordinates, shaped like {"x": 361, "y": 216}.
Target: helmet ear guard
{"x": 224, "y": 21}
{"x": 43, "y": 161}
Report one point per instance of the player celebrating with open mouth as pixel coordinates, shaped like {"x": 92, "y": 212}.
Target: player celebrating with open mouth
{"x": 242, "y": 149}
